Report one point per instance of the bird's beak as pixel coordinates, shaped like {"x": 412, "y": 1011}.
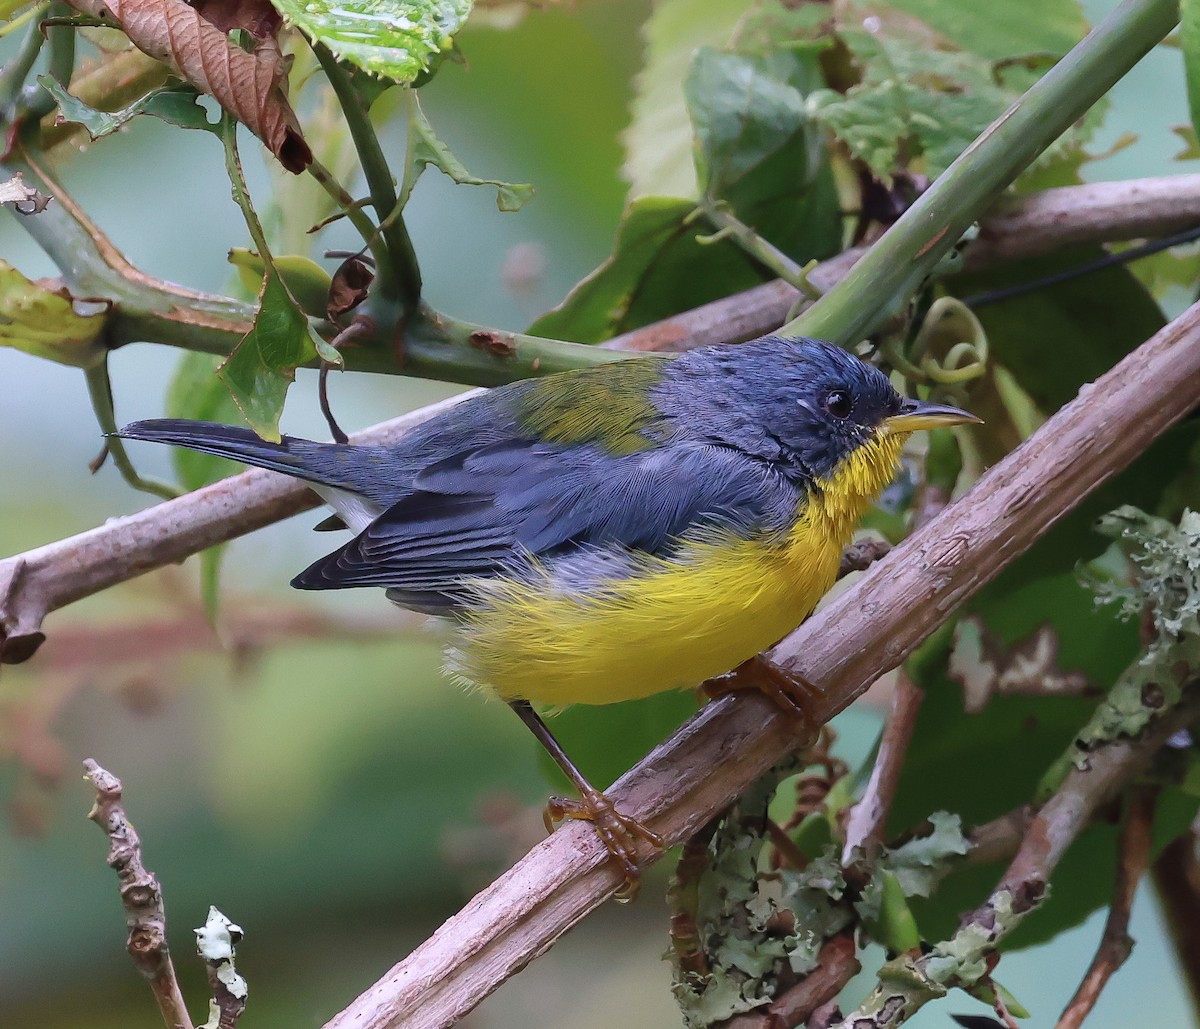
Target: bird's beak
{"x": 916, "y": 414}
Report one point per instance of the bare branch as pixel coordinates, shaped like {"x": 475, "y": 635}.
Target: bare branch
{"x": 868, "y": 629}
{"x": 865, "y": 824}
{"x": 216, "y": 942}
{"x": 142, "y": 896}
{"x": 1116, "y": 944}
{"x": 1177, "y": 879}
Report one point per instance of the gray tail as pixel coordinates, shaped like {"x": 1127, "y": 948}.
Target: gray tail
{"x": 323, "y": 463}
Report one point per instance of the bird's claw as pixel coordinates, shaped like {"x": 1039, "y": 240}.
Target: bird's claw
{"x": 792, "y": 694}
{"x": 619, "y": 833}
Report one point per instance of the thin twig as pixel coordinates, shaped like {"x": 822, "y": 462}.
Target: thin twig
{"x": 1177, "y": 880}
{"x": 1116, "y": 944}
{"x": 865, "y": 824}
{"x": 142, "y": 896}
{"x": 869, "y": 628}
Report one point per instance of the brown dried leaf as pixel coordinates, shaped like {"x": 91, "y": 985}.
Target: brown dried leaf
{"x": 250, "y": 86}
{"x": 349, "y": 287}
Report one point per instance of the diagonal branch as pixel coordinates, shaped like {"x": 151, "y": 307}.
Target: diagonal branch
{"x": 866, "y": 630}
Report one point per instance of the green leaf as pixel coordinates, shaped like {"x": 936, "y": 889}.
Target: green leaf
{"x": 1006, "y": 30}
{"x": 264, "y": 364}
{"x": 1189, "y": 41}
{"x": 196, "y": 393}
{"x": 745, "y": 110}
{"x": 397, "y": 39}
{"x": 425, "y": 148}
{"x": 658, "y": 141}
{"x": 306, "y": 280}
{"x": 174, "y": 104}
{"x": 912, "y": 95}
{"x": 42, "y": 321}
{"x": 657, "y": 269}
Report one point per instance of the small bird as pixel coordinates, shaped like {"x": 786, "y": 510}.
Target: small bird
{"x": 612, "y": 532}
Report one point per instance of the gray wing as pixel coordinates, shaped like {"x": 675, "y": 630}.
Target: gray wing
{"x": 482, "y": 512}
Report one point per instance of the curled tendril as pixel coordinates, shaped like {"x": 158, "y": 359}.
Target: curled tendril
{"x": 950, "y": 327}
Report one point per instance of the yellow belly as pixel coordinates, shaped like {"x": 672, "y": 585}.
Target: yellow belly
{"x": 674, "y": 623}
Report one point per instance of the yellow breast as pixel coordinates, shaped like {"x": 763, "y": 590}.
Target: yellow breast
{"x": 672, "y": 622}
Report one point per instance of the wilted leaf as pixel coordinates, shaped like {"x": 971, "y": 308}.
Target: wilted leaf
{"x": 174, "y": 104}
{"x": 658, "y": 142}
{"x": 349, "y": 287}
{"x": 264, "y": 364}
{"x": 425, "y": 149}
{"x": 912, "y": 96}
{"x": 250, "y": 86}
{"x": 397, "y": 39}
{"x": 40, "y": 319}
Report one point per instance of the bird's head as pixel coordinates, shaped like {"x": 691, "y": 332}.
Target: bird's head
{"x": 827, "y": 409}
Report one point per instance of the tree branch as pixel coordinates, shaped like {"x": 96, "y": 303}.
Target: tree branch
{"x": 866, "y": 630}
{"x": 142, "y": 896}
{"x": 1116, "y": 943}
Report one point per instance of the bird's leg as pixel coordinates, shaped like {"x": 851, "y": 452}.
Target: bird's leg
{"x": 619, "y": 833}
{"x": 793, "y": 694}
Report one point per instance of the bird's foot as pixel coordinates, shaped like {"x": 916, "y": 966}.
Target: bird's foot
{"x": 792, "y": 694}
{"x": 619, "y": 833}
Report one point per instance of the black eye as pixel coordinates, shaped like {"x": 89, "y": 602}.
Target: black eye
{"x": 838, "y": 403}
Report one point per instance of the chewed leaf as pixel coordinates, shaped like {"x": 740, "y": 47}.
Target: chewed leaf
{"x": 42, "y": 321}
{"x": 176, "y": 105}
{"x": 250, "y": 86}
{"x": 911, "y": 94}
{"x": 264, "y": 364}
{"x": 397, "y": 39}
{"x": 426, "y": 149}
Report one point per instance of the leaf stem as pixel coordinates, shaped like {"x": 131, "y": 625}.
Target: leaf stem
{"x": 758, "y": 247}
{"x": 353, "y": 212}
{"x": 37, "y": 101}
{"x": 16, "y": 71}
{"x": 100, "y": 391}
{"x": 237, "y": 183}
{"x": 402, "y": 282}
{"x": 894, "y": 268}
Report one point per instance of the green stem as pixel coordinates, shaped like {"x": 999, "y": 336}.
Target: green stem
{"x": 61, "y": 39}
{"x": 894, "y": 268}
{"x": 100, "y": 390}
{"x": 354, "y": 214}
{"x": 16, "y": 71}
{"x": 403, "y": 282}
{"x": 762, "y": 250}
{"x": 241, "y": 194}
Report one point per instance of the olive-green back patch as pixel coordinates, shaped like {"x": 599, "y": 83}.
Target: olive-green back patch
{"x": 609, "y": 405}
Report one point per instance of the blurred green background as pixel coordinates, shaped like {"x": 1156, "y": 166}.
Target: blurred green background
{"x": 337, "y": 797}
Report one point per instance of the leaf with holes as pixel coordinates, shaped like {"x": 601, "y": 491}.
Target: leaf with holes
{"x": 425, "y": 148}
